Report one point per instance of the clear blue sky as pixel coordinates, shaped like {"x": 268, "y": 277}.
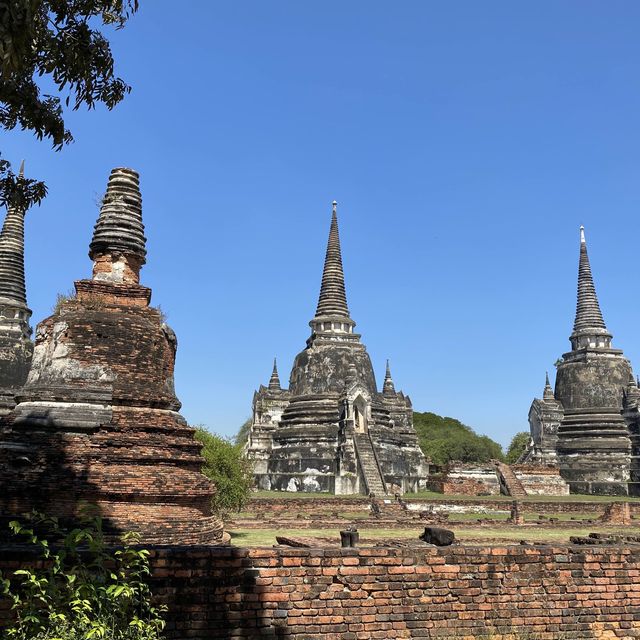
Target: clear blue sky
{"x": 464, "y": 141}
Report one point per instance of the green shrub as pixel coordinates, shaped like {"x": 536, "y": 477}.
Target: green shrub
{"x": 229, "y": 470}
{"x": 80, "y": 589}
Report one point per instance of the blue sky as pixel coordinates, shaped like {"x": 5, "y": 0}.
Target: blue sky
{"x": 465, "y": 143}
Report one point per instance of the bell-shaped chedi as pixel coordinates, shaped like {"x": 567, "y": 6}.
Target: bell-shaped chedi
{"x": 97, "y": 421}
{"x": 16, "y": 348}
{"x": 332, "y": 430}
{"x": 593, "y": 443}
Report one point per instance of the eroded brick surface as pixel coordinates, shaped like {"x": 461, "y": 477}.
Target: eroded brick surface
{"x": 547, "y": 593}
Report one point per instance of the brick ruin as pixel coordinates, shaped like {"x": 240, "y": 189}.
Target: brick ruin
{"x": 469, "y": 593}
{"x": 332, "y": 430}
{"x": 16, "y": 347}
{"x": 589, "y": 426}
{"x": 97, "y": 420}
{"x": 474, "y": 479}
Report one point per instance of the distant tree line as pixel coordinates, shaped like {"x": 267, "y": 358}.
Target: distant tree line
{"x": 446, "y": 439}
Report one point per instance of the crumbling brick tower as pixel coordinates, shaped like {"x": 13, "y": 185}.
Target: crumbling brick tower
{"x": 97, "y": 421}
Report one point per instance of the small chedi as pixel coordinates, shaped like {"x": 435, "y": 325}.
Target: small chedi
{"x": 588, "y": 424}
{"x": 332, "y": 430}
{"x": 16, "y": 347}
{"x": 97, "y": 421}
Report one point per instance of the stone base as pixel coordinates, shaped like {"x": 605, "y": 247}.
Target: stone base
{"x": 599, "y": 488}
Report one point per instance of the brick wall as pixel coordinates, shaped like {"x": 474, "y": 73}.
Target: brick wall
{"x": 539, "y": 593}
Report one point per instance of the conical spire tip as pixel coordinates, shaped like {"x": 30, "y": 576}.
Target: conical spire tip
{"x": 21, "y": 172}
{"x": 582, "y": 238}
{"x": 334, "y": 207}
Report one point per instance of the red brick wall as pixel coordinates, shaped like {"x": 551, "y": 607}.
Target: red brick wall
{"x": 546, "y": 593}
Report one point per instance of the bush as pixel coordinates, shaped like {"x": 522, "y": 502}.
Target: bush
{"x": 243, "y": 433}
{"x": 518, "y": 446}
{"x": 229, "y": 470}
{"x": 447, "y": 439}
{"x": 80, "y": 589}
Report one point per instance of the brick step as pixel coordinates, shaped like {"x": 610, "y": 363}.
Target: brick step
{"x": 368, "y": 464}
{"x": 510, "y": 480}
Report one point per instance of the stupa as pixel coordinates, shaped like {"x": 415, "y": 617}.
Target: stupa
{"x": 97, "y": 421}
{"x": 332, "y": 430}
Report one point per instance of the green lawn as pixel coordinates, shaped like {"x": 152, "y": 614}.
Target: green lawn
{"x": 466, "y": 535}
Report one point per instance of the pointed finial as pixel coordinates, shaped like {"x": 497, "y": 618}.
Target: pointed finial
{"x": 274, "y": 381}
{"x": 21, "y": 172}
{"x": 334, "y": 207}
{"x": 388, "y": 386}
{"x": 333, "y": 299}
{"x": 588, "y": 321}
{"x": 548, "y": 391}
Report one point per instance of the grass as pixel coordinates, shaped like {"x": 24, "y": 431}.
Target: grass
{"x": 432, "y": 495}
{"x": 467, "y": 535}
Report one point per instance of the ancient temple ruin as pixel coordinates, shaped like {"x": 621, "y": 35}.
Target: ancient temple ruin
{"x": 16, "y": 347}
{"x": 332, "y": 430}
{"x": 97, "y": 421}
{"x": 585, "y": 425}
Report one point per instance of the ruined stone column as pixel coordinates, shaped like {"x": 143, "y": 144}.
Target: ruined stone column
{"x": 97, "y": 421}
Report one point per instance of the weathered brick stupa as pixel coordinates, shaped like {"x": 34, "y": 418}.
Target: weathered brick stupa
{"x": 332, "y": 430}
{"x": 591, "y": 394}
{"x": 97, "y": 421}
{"x": 16, "y": 348}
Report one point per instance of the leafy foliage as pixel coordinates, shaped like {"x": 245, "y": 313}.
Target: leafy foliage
{"x": 229, "y": 470}
{"x": 243, "y": 433}
{"x": 517, "y": 447}
{"x": 18, "y": 191}
{"x": 80, "y": 590}
{"x": 56, "y": 40}
{"x": 447, "y": 439}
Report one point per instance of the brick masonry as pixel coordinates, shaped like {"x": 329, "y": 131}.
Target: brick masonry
{"x": 536, "y": 592}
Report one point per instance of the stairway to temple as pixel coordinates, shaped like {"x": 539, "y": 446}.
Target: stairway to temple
{"x": 509, "y": 480}
{"x": 369, "y": 465}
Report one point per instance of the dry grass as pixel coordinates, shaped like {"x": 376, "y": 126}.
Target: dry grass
{"x": 479, "y": 534}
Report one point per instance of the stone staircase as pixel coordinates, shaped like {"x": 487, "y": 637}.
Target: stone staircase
{"x": 369, "y": 465}
{"x": 509, "y": 480}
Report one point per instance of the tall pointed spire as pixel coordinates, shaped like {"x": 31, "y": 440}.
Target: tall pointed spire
{"x": 274, "y": 381}
{"x": 388, "y": 387}
{"x": 118, "y": 236}
{"x": 333, "y": 299}
{"x": 548, "y": 391}
{"x": 589, "y": 328}
{"x": 12, "y": 283}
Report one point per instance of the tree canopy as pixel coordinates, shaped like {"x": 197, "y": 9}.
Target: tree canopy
{"x": 58, "y": 42}
{"x": 243, "y": 433}
{"x": 446, "y": 439}
{"x": 517, "y": 447}
{"x": 229, "y": 470}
